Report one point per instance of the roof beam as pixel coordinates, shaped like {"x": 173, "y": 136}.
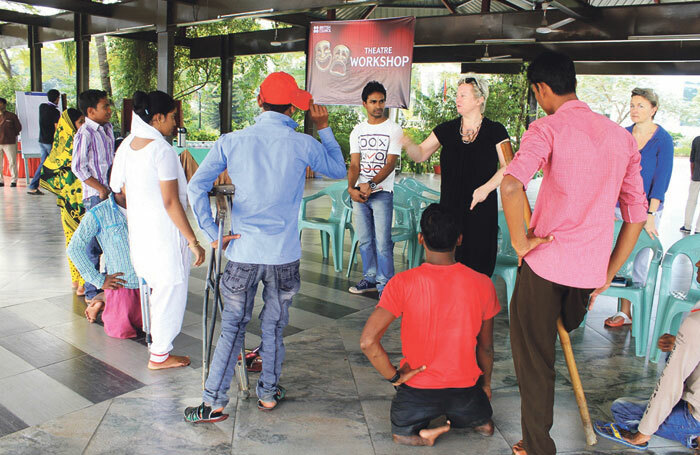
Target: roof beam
{"x": 576, "y": 9}
{"x": 612, "y": 68}
{"x": 25, "y": 19}
{"x": 250, "y": 43}
{"x": 449, "y": 6}
{"x": 594, "y": 52}
{"x": 74, "y": 6}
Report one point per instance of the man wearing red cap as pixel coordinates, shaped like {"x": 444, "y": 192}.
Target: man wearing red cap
{"x": 267, "y": 162}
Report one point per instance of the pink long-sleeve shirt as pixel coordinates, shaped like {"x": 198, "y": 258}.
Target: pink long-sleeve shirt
{"x": 589, "y": 164}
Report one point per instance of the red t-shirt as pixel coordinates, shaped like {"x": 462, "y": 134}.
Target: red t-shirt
{"x": 442, "y": 308}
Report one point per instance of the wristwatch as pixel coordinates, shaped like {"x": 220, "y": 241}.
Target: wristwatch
{"x": 649, "y": 212}
{"x": 372, "y": 185}
{"x": 395, "y": 378}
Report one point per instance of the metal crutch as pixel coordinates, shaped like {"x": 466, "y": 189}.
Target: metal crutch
{"x": 145, "y": 295}
{"x": 224, "y": 202}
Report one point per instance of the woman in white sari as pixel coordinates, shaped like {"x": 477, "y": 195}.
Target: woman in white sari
{"x": 147, "y": 168}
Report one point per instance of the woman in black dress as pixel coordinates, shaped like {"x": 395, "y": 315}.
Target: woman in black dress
{"x": 472, "y": 148}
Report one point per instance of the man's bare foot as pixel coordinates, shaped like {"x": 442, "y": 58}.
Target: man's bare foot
{"x": 425, "y": 437}
{"x": 93, "y": 310}
{"x": 485, "y": 429}
{"x": 519, "y": 448}
{"x": 173, "y": 361}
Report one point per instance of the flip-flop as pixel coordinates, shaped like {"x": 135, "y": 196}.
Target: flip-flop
{"x": 279, "y": 396}
{"x": 611, "y": 431}
{"x": 625, "y": 320}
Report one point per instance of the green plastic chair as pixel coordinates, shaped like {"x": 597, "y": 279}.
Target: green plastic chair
{"x": 641, "y": 295}
{"x": 672, "y": 303}
{"x": 405, "y": 197}
{"x": 418, "y": 187}
{"x": 506, "y": 258}
{"x": 332, "y": 228}
{"x": 401, "y": 232}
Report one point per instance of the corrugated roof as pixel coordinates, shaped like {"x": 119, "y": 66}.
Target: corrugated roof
{"x": 474, "y": 7}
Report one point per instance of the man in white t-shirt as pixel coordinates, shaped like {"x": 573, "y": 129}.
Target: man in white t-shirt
{"x": 374, "y": 148}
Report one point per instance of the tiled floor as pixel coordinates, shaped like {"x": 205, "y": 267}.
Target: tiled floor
{"x": 67, "y": 388}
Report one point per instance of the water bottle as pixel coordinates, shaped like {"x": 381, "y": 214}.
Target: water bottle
{"x": 182, "y": 137}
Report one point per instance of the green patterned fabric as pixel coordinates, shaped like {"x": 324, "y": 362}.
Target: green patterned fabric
{"x": 57, "y": 176}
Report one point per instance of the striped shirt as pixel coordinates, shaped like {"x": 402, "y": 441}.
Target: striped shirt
{"x": 93, "y": 154}
{"x": 107, "y": 223}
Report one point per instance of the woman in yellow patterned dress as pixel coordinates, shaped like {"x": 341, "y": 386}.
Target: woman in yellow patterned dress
{"x": 57, "y": 177}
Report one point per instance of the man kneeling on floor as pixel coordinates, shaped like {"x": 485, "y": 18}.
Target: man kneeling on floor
{"x": 673, "y": 412}
{"x": 106, "y": 222}
{"x": 447, "y": 312}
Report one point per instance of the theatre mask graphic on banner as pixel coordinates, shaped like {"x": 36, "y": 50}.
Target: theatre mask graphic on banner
{"x": 348, "y": 54}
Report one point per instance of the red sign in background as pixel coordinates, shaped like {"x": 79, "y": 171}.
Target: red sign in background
{"x": 346, "y": 55}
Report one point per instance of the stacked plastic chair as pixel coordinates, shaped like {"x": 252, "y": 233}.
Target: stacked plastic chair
{"x": 404, "y": 229}
{"x": 641, "y": 295}
{"x": 672, "y": 303}
{"x": 332, "y": 228}
{"x": 419, "y": 188}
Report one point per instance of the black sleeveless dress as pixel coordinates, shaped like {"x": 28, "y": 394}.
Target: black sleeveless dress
{"x": 465, "y": 167}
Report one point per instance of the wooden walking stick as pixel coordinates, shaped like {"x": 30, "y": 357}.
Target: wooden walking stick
{"x": 565, "y": 341}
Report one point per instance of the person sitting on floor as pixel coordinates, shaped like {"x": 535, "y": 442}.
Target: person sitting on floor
{"x": 673, "y": 412}
{"x": 447, "y": 312}
{"x": 106, "y": 222}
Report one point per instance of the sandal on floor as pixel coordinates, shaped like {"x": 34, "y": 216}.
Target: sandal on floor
{"x": 610, "y": 431}
{"x": 624, "y": 321}
{"x": 279, "y": 396}
{"x": 519, "y": 448}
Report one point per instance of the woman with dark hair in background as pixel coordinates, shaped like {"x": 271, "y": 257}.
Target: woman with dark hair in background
{"x": 58, "y": 178}
{"x": 147, "y": 168}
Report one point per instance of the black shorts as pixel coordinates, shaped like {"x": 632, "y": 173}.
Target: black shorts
{"x": 412, "y": 409}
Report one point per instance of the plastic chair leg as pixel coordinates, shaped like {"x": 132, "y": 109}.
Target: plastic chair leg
{"x": 324, "y": 244}
{"x": 337, "y": 244}
{"x": 353, "y": 257}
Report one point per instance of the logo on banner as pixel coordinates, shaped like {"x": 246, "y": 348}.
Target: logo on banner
{"x": 322, "y": 29}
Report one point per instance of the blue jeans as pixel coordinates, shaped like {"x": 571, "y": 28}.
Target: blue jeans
{"x": 45, "y": 150}
{"x": 93, "y": 250}
{"x": 239, "y": 284}
{"x": 373, "y": 223}
{"x": 679, "y": 426}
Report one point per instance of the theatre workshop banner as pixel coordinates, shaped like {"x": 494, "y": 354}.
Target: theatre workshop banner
{"x": 345, "y": 55}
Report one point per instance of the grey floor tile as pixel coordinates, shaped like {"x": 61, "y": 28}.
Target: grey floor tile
{"x": 43, "y": 313}
{"x": 9, "y": 423}
{"x": 11, "y": 364}
{"x": 92, "y": 378}
{"x": 65, "y": 435}
{"x": 12, "y": 324}
{"x": 40, "y": 348}
{"x": 83, "y": 335}
{"x": 35, "y": 397}
{"x": 301, "y": 427}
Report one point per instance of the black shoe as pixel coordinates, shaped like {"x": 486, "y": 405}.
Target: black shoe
{"x": 35, "y": 192}
{"x": 13, "y": 184}
{"x": 203, "y": 414}
{"x": 2, "y": 184}
{"x": 684, "y": 230}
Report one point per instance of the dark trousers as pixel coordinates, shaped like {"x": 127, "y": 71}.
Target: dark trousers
{"x": 412, "y": 409}
{"x": 534, "y": 309}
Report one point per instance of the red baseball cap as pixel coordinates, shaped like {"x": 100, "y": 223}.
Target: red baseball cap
{"x": 281, "y": 88}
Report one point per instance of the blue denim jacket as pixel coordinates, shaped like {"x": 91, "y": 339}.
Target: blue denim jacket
{"x": 267, "y": 162}
{"x": 108, "y": 224}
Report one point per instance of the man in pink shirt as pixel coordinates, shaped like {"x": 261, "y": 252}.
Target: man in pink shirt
{"x": 589, "y": 164}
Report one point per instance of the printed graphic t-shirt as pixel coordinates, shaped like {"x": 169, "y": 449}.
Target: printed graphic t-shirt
{"x": 375, "y": 143}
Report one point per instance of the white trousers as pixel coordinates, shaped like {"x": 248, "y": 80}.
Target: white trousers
{"x": 643, "y": 259}
{"x": 10, "y": 152}
{"x": 690, "y": 206}
{"x": 168, "y": 304}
